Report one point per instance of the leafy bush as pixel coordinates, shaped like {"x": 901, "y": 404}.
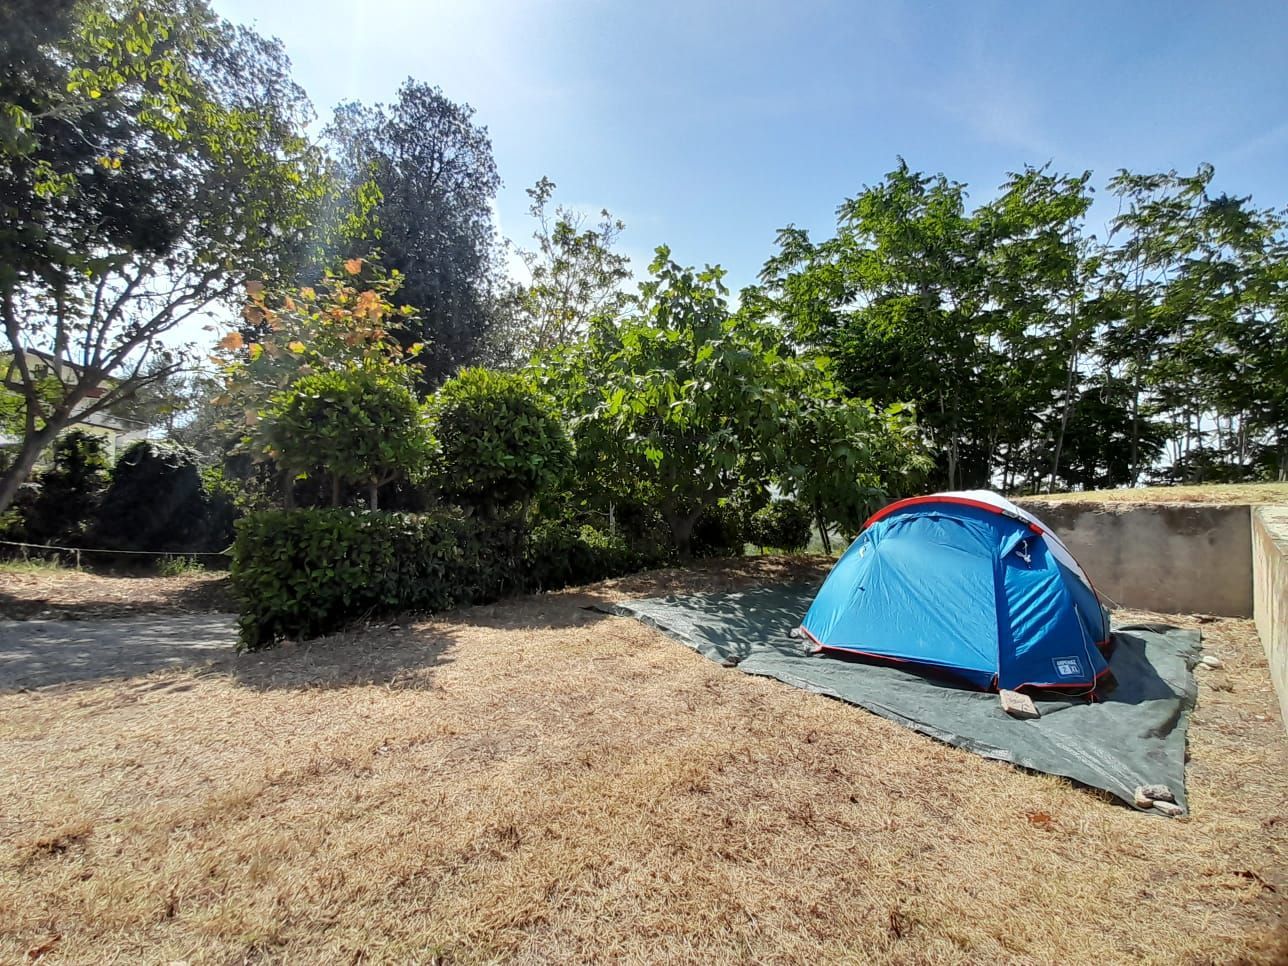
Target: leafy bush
{"x": 719, "y": 532}
{"x": 645, "y": 531}
{"x": 558, "y": 555}
{"x": 782, "y": 524}
{"x": 69, "y": 490}
{"x": 179, "y": 566}
{"x": 361, "y": 425}
{"x": 222, "y": 509}
{"x": 500, "y": 441}
{"x": 155, "y": 501}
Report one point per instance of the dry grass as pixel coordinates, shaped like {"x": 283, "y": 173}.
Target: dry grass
{"x": 533, "y": 781}
{"x": 1234, "y": 494}
{"x": 37, "y": 589}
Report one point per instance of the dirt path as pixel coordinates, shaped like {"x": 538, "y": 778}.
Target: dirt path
{"x": 37, "y": 654}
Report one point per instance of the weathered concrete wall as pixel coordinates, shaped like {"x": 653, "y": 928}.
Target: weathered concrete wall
{"x": 1270, "y": 593}
{"x": 1180, "y": 558}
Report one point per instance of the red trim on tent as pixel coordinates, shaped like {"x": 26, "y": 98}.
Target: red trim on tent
{"x": 915, "y": 500}
{"x": 817, "y": 642}
{"x": 820, "y": 646}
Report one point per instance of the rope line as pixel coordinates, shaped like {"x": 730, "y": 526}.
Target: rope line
{"x": 146, "y": 553}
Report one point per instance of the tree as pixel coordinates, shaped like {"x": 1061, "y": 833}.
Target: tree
{"x": 686, "y": 403}
{"x": 501, "y": 442}
{"x": 162, "y": 398}
{"x": 431, "y": 167}
{"x": 897, "y": 297}
{"x": 361, "y": 425}
{"x": 152, "y": 158}
{"x": 575, "y": 276}
{"x": 156, "y": 501}
{"x": 1038, "y": 266}
{"x": 1027, "y": 344}
{"x": 70, "y": 490}
{"x": 844, "y": 458}
{"x": 346, "y": 321}
{"x": 782, "y": 524}
{"x": 1195, "y": 284}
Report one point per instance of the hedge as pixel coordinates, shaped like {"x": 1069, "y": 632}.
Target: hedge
{"x": 303, "y": 573}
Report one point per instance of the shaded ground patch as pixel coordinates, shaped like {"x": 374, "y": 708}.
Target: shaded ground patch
{"x": 41, "y": 653}
{"x": 65, "y": 594}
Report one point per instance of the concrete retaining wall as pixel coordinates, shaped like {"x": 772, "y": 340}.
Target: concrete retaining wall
{"x": 1181, "y": 558}
{"x": 1270, "y": 593}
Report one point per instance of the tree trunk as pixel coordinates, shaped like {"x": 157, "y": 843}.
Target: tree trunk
{"x": 288, "y": 490}
{"x": 373, "y": 495}
{"x": 335, "y": 490}
{"x": 32, "y": 446}
{"x": 682, "y": 530}
{"x": 1135, "y": 429}
{"x": 1070, "y": 370}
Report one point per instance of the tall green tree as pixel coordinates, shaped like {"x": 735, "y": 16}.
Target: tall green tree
{"x": 152, "y": 157}
{"x": 1038, "y": 263}
{"x": 427, "y": 168}
{"x": 575, "y": 275}
{"x": 70, "y": 490}
{"x": 898, "y": 298}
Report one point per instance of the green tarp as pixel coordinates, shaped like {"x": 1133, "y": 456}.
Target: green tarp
{"x": 1133, "y": 736}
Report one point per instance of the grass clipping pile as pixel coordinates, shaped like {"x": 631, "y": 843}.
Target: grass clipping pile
{"x": 535, "y": 781}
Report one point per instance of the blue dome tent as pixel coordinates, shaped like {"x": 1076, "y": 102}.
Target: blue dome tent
{"x": 968, "y": 584}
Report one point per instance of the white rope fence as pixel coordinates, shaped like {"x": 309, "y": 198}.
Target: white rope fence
{"x": 77, "y": 551}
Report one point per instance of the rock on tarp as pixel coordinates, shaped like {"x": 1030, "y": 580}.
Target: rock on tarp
{"x": 1134, "y": 735}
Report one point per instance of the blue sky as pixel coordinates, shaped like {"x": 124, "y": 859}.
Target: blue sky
{"x": 708, "y": 125}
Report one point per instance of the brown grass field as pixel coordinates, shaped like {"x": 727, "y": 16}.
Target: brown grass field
{"x": 534, "y": 782}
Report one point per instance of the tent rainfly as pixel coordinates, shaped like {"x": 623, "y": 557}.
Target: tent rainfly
{"x": 969, "y": 584}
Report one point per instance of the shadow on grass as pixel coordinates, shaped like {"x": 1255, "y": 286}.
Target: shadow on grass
{"x": 100, "y": 634}
{"x": 38, "y": 654}
{"x": 400, "y": 651}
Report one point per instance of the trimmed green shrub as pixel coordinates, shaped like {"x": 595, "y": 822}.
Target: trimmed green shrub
{"x": 782, "y": 524}
{"x": 155, "y": 501}
{"x": 500, "y": 441}
{"x": 302, "y": 573}
{"x": 361, "y": 426}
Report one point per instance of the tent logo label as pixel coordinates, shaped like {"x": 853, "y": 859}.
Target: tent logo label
{"x": 1068, "y": 667}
